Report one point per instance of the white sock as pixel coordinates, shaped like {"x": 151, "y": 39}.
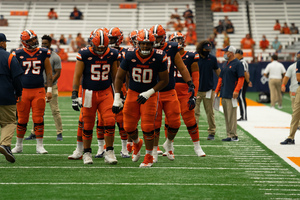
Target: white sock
{"x": 137, "y": 140}
{"x": 39, "y": 142}
{"x": 169, "y": 142}
{"x": 124, "y": 145}
{"x": 80, "y": 146}
{"x": 149, "y": 152}
{"x": 19, "y": 142}
{"x": 196, "y": 144}
{"x": 101, "y": 143}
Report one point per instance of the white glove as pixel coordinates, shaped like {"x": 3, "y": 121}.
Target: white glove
{"x": 118, "y": 104}
{"x": 144, "y": 96}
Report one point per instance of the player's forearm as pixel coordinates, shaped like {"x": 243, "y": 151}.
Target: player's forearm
{"x": 285, "y": 80}
{"x": 118, "y": 85}
{"x": 160, "y": 85}
{"x": 49, "y": 80}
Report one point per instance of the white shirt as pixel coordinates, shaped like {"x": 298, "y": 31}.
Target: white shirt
{"x": 275, "y": 70}
{"x": 291, "y": 73}
{"x": 245, "y": 64}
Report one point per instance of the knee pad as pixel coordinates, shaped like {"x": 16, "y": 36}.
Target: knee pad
{"x": 157, "y": 133}
{"x": 109, "y": 130}
{"x": 148, "y": 135}
{"x": 21, "y": 130}
{"x": 87, "y": 134}
{"x": 39, "y": 129}
{"x": 100, "y": 132}
{"x": 193, "y": 129}
{"x": 173, "y": 131}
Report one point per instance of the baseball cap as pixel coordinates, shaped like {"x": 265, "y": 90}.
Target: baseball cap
{"x": 239, "y": 51}
{"x": 3, "y": 38}
{"x": 298, "y": 52}
{"x": 207, "y": 46}
{"x": 230, "y": 49}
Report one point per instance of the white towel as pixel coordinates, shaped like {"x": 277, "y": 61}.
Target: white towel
{"x": 234, "y": 102}
{"x": 216, "y": 103}
{"x": 88, "y": 98}
{"x": 208, "y": 94}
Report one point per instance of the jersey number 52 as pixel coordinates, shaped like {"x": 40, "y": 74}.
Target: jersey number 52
{"x": 97, "y": 75}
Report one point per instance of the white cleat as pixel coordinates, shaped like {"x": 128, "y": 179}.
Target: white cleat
{"x": 17, "y": 149}
{"x": 199, "y": 152}
{"x": 100, "y": 153}
{"x": 109, "y": 157}
{"x": 155, "y": 155}
{"x": 169, "y": 153}
{"x": 41, "y": 150}
{"x": 148, "y": 161}
{"x": 87, "y": 158}
{"x": 125, "y": 154}
{"x": 77, "y": 155}
{"x": 159, "y": 152}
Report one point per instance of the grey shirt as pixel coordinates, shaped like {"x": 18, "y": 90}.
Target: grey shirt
{"x": 55, "y": 62}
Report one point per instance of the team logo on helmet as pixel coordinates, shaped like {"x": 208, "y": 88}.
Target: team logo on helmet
{"x": 115, "y": 36}
{"x": 29, "y": 39}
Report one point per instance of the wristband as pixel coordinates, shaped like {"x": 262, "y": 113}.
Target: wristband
{"x": 49, "y": 89}
{"x": 117, "y": 96}
{"x": 282, "y": 85}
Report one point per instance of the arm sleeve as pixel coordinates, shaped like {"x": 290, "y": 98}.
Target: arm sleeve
{"x": 240, "y": 84}
{"x": 195, "y": 78}
{"x": 218, "y": 85}
{"x": 17, "y": 85}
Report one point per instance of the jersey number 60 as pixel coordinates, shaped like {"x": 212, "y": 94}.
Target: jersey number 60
{"x": 142, "y": 75}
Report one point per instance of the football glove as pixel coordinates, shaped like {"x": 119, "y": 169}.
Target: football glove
{"x": 118, "y": 104}
{"x": 144, "y": 96}
{"x": 192, "y": 102}
{"x": 76, "y": 102}
{"x": 191, "y": 88}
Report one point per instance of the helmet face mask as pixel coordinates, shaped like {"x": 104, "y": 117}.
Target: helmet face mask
{"x": 159, "y": 41}
{"x": 112, "y": 41}
{"x": 145, "y": 48}
{"x": 115, "y": 36}
{"x": 160, "y": 35}
{"x": 100, "y": 42}
{"x": 29, "y": 40}
{"x": 145, "y": 40}
{"x": 99, "y": 50}
{"x": 179, "y": 38}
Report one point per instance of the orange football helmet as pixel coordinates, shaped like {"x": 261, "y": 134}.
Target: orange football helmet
{"x": 93, "y": 33}
{"x": 178, "y": 37}
{"x": 100, "y": 42}
{"x": 132, "y": 38}
{"x": 160, "y": 35}
{"x": 145, "y": 36}
{"x": 29, "y": 39}
{"x": 115, "y": 36}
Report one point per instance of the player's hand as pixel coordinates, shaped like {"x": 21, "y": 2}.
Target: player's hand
{"x": 18, "y": 99}
{"x": 48, "y": 96}
{"x": 250, "y": 84}
{"x": 191, "y": 88}
{"x": 118, "y": 104}
{"x": 76, "y": 102}
{"x": 192, "y": 102}
{"x": 144, "y": 96}
{"x": 283, "y": 88}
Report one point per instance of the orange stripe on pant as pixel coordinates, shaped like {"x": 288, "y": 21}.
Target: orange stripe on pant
{"x": 133, "y": 111}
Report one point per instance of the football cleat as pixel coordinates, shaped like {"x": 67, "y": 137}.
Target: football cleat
{"x": 41, "y": 150}
{"x": 198, "y": 150}
{"x": 87, "y": 158}
{"x": 159, "y": 152}
{"x": 125, "y": 154}
{"x": 169, "y": 152}
{"x": 100, "y": 152}
{"x": 148, "y": 161}
{"x": 137, "y": 151}
{"x": 77, "y": 155}
{"x": 5, "y": 150}
{"x": 17, "y": 149}
{"x": 59, "y": 137}
{"x": 155, "y": 155}
{"x": 109, "y": 157}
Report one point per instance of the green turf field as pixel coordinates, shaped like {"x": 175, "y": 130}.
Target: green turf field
{"x": 235, "y": 170}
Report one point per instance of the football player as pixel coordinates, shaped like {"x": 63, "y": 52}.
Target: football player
{"x": 97, "y": 65}
{"x": 190, "y": 60}
{"x": 168, "y": 100}
{"x": 148, "y": 74}
{"x": 34, "y": 61}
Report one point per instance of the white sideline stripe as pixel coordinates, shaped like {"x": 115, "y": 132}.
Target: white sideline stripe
{"x": 289, "y": 190}
{"x": 282, "y": 194}
{"x": 138, "y": 184}
{"x": 175, "y": 168}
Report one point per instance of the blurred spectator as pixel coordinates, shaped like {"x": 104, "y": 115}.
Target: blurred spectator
{"x": 188, "y": 13}
{"x": 277, "y": 45}
{"x": 80, "y": 43}
{"x": 54, "y": 41}
{"x": 264, "y": 43}
{"x": 294, "y": 29}
{"x": 213, "y": 42}
{"x": 225, "y": 21}
{"x": 175, "y": 14}
{"x": 247, "y": 42}
{"x": 173, "y": 19}
{"x": 226, "y": 40}
{"x": 285, "y": 29}
{"x": 52, "y": 14}
{"x": 227, "y": 6}
{"x": 229, "y": 27}
{"x": 3, "y": 21}
{"x": 70, "y": 39}
{"x": 219, "y": 29}
{"x": 216, "y": 6}
{"x": 62, "y": 54}
{"x": 191, "y": 35}
{"x": 178, "y": 26}
{"x": 71, "y": 43}
{"x": 62, "y": 39}
{"x": 235, "y": 6}
{"x": 277, "y": 26}
{"x": 76, "y": 14}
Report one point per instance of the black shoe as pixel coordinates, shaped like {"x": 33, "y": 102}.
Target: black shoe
{"x": 31, "y": 137}
{"x": 210, "y": 137}
{"x": 241, "y": 119}
{"x": 288, "y": 141}
{"x": 235, "y": 139}
{"x": 227, "y": 139}
{"x": 5, "y": 150}
{"x": 59, "y": 137}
